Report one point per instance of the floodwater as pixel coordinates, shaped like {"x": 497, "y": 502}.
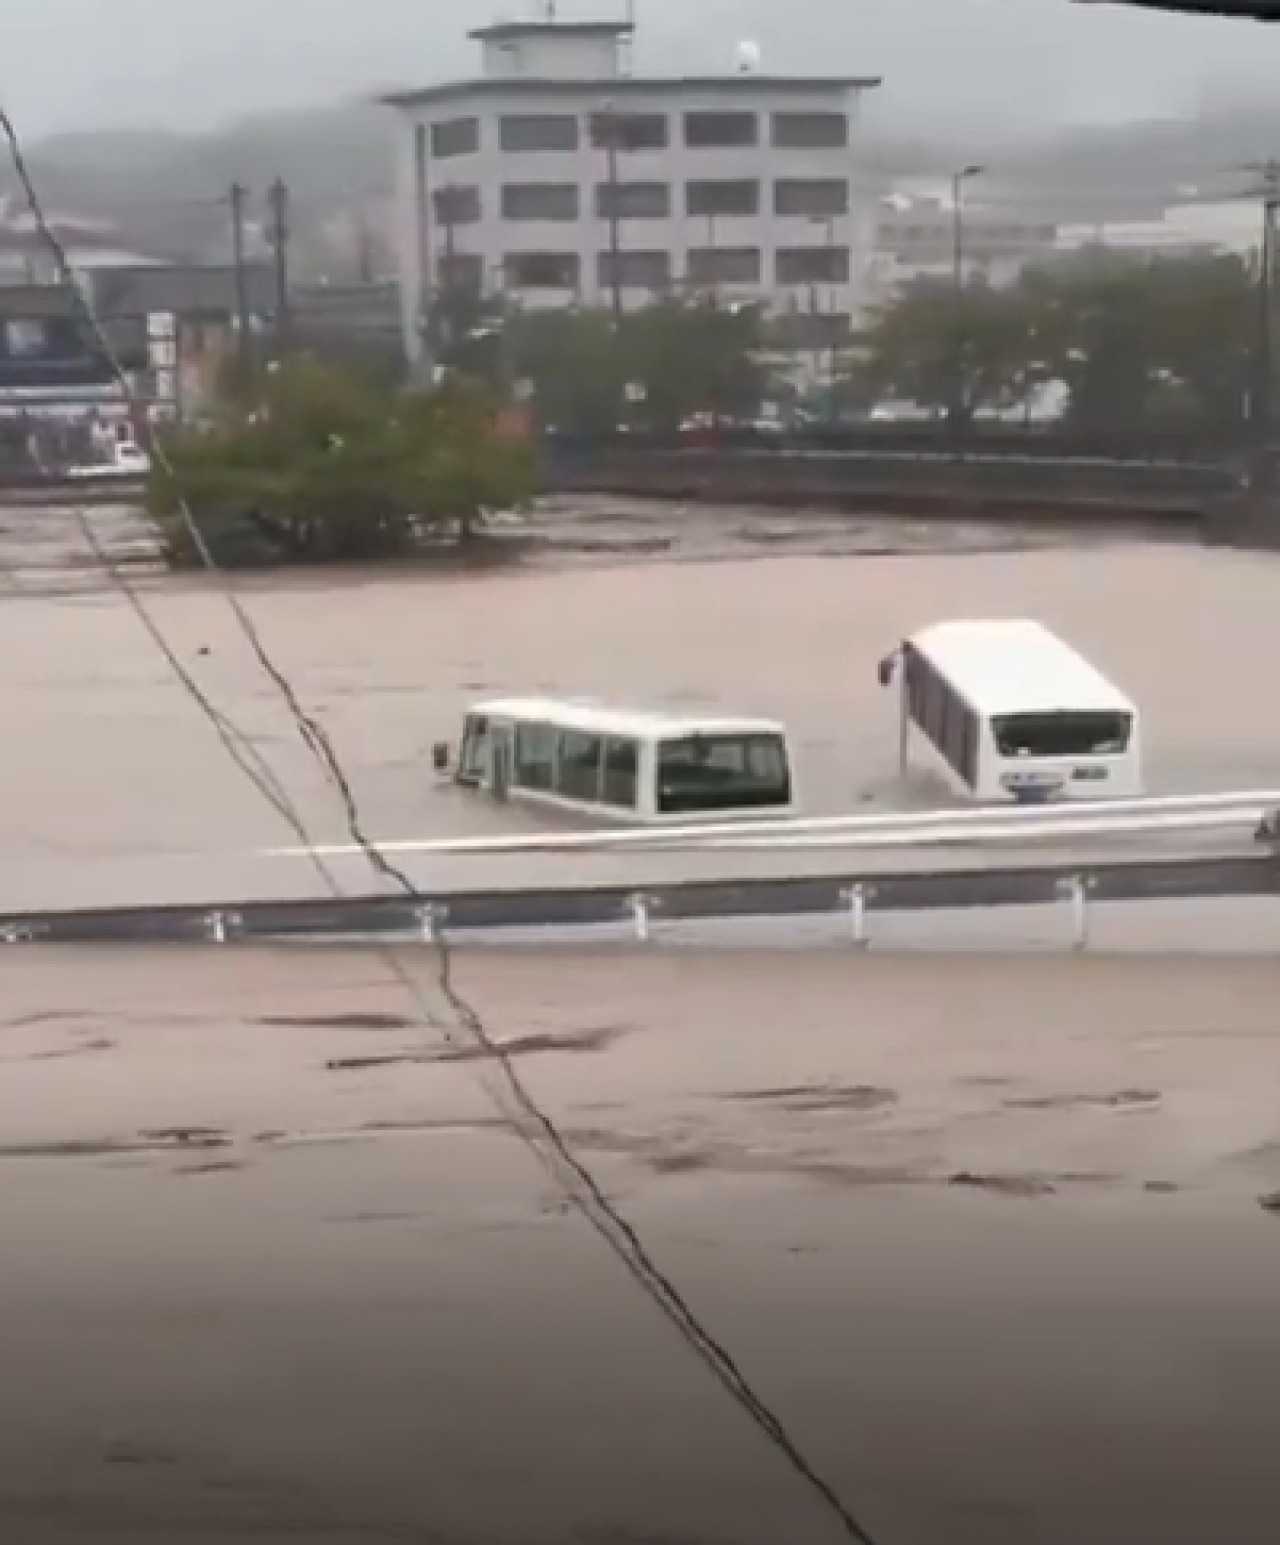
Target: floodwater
{"x": 115, "y": 789}
{"x": 985, "y": 1235}
{"x": 985, "y": 1229}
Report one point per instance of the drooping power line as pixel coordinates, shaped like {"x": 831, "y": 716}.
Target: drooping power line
{"x": 526, "y": 1118}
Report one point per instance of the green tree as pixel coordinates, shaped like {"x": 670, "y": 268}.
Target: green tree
{"x": 951, "y": 350}
{"x": 659, "y": 367}
{"x": 696, "y": 358}
{"x": 1136, "y": 342}
{"x": 323, "y": 466}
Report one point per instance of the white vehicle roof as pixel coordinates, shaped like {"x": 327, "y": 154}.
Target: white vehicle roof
{"x": 1008, "y": 665}
{"x": 599, "y": 719}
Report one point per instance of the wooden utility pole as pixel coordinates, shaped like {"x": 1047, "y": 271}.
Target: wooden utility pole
{"x": 606, "y": 133}
{"x": 281, "y": 234}
{"x": 1264, "y": 392}
{"x": 244, "y": 340}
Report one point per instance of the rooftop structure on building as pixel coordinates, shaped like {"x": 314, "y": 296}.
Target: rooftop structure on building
{"x": 561, "y": 176}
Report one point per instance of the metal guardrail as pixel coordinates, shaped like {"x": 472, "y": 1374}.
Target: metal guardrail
{"x": 1127, "y": 817}
{"x": 856, "y": 896}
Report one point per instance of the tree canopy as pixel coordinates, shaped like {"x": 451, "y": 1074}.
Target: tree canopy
{"x": 588, "y": 373}
{"x": 1135, "y": 343}
{"x": 315, "y": 464}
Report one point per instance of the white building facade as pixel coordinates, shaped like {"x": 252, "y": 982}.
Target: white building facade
{"x": 915, "y": 238}
{"x": 559, "y": 179}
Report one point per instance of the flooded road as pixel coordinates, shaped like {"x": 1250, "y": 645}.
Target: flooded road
{"x": 986, "y": 1235}
{"x": 984, "y": 1225}
{"x": 115, "y": 789}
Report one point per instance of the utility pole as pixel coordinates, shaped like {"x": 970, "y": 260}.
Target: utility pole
{"x": 281, "y": 234}
{"x": 606, "y": 131}
{"x": 420, "y": 346}
{"x": 1261, "y": 401}
{"x": 958, "y": 181}
{"x": 244, "y": 341}
{"x": 447, "y": 217}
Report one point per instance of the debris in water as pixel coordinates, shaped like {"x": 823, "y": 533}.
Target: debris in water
{"x": 1004, "y": 1185}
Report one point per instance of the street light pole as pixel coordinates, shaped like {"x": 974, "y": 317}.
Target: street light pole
{"x": 829, "y": 347}
{"x": 607, "y": 134}
{"x": 1264, "y": 384}
{"x": 958, "y": 180}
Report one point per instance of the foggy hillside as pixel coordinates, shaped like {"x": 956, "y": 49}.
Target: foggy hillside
{"x": 150, "y": 182}
{"x": 80, "y": 64}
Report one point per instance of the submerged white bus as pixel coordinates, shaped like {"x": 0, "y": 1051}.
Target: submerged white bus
{"x": 630, "y": 766}
{"x": 1016, "y": 713}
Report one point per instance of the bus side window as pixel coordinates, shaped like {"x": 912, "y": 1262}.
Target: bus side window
{"x": 621, "y": 773}
{"x": 535, "y": 757}
{"x": 580, "y": 766}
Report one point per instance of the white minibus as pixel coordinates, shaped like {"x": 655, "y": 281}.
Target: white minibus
{"x": 630, "y": 766}
{"x": 1016, "y": 713}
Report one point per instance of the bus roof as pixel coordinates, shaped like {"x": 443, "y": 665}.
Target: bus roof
{"x": 1009, "y": 665}
{"x": 599, "y": 719}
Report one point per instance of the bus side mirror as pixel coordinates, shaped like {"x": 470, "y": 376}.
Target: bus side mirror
{"x": 886, "y": 669}
{"x": 442, "y": 756}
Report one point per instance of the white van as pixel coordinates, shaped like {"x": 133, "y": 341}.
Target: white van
{"x": 651, "y": 768}
{"x": 1016, "y": 713}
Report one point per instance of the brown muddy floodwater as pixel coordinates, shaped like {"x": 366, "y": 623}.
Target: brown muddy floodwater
{"x": 114, "y": 788}
{"x": 987, "y": 1231}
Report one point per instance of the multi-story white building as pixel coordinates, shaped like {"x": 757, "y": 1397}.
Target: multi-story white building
{"x": 916, "y": 238}
{"x": 560, "y": 178}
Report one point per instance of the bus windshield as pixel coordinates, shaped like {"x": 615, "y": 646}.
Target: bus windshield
{"x": 723, "y": 772}
{"x": 1062, "y": 734}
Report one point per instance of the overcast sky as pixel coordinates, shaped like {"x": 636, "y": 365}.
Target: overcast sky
{"x": 189, "y": 63}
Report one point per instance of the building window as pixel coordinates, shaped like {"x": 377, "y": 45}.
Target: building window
{"x": 456, "y": 206}
{"x": 631, "y": 131}
{"x": 542, "y": 270}
{"x": 540, "y": 201}
{"x": 813, "y": 265}
{"x": 812, "y": 329}
{"x": 810, "y": 131}
{"x": 529, "y": 132}
{"x": 721, "y": 131}
{"x": 456, "y": 137}
{"x": 633, "y": 201}
{"x": 635, "y": 270}
{"x": 722, "y": 198}
{"x": 461, "y": 272}
{"x": 725, "y": 265}
{"x": 820, "y": 197}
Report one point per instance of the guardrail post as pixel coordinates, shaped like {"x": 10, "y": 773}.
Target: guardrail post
{"x": 856, "y": 900}
{"x": 1076, "y": 891}
{"x": 429, "y": 919}
{"x": 642, "y": 915}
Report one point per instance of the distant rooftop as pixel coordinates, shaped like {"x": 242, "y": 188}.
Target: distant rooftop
{"x": 631, "y": 85}
{"x": 509, "y": 31}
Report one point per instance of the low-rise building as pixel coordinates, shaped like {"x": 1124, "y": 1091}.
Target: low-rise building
{"x": 918, "y": 236}
{"x": 559, "y": 178}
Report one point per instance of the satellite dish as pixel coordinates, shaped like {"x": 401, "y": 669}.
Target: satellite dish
{"x": 748, "y": 56}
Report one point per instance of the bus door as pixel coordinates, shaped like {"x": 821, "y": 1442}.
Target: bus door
{"x": 501, "y": 759}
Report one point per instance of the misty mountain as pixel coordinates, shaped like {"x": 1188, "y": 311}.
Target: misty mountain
{"x": 166, "y": 192}
{"x": 82, "y": 64}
